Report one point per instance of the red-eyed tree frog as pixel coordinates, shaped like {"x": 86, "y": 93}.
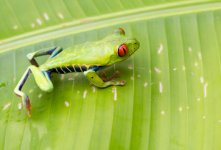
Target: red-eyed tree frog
{"x": 88, "y": 58}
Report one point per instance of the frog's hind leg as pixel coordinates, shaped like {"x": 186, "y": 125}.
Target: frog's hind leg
{"x": 42, "y": 79}
{"x": 52, "y": 51}
{"x": 25, "y": 99}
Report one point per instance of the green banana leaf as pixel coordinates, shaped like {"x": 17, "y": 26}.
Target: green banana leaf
{"x": 172, "y": 98}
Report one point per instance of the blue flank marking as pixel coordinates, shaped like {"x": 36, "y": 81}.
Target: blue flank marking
{"x": 55, "y": 52}
{"x": 95, "y": 68}
{"x": 47, "y": 74}
{"x": 51, "y": 50}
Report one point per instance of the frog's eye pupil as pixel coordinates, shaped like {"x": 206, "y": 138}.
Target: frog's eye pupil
{"x": 122, "y": 50}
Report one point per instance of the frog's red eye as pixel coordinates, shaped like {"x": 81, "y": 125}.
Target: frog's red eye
{"x": 122, "y": 50}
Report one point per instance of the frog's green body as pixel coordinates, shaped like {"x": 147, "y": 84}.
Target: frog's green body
{"x": 100, "y": 53}
{"x": 87, "y": 57}
{"x": 79, "y": 55}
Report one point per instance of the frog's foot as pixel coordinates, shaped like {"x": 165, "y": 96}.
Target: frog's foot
{"x": 120, "y": 82}
{"x": 27, "y": 105}
{"x": 114, "y": 82}
{"x": 106, "y": 78}
{"x": 97, "y": 81}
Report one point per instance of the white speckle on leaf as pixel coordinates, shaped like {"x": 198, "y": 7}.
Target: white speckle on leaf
{"x": 157, "y": 70}
{"x": 145, "y": 84}
{"x": 138, "y": 75}
{"x": 39, "y": 21}
{"x": 114, "y": 90}
{"x": 205, "y": 89}
{"x": 6, "y": 106}
{"x": 183, "y": 68}
{"x": 202, "y": 80}
{"x": 19, "y": 106}
{"x": 93, "y": 89}
{"x": 84, "y": 94}
{"x": 39, "y": 95}
{"x": 15, "y": 27}
{"x": 190, "y": 49}
{"x": 204, "y": 117}
{"x": 219, "y": 121}
{"x": 174, "y": 69}
{"x": 162, "y": 112}
{"x": 187, "y": 107}
{"x": 78, "y": 92}
{"x": 199, "y": 55}
{"x": 60, "y": 15}
{"x": 46, "y": 16}
{"x": 66, "y": 103}
{"x": 62, "y": 77}
{"x": 198, "y": 99}
{"x": 160, "y": 87}
{"x": 180, "y": 109}
{"x": 30, "y": 91}
{"x": 196, "y": 64}
{"x": 33, "y": 25}
{"x": 160, "y": 49}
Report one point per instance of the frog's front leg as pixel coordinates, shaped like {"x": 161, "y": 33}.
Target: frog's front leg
{"x": 41, "y": 78}
{"x": 51, "y": 51}
{"x": 97, "y": 81}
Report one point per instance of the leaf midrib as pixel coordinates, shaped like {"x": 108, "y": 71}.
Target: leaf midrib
{"x": 93, "y": 23}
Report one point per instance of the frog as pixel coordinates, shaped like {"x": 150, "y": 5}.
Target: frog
{"x": 88, "y": 58}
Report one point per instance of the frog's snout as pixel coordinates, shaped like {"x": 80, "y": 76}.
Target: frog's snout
{"x": 133, "y": 45}
{"x": 136, "y": 44}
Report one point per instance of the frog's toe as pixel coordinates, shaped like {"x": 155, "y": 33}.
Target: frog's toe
{"x": 122, "y": 82}
{"x": 27, "y": 105}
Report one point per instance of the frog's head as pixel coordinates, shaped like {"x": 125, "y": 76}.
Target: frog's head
{"x": 123, "y": 46}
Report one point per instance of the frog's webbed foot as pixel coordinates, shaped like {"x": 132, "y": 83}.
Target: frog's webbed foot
{"x": 106, "y": 78}
{"x": 97, "y": 81}
{"x": 25, "y": 102}
{"x": 118, "y": 82}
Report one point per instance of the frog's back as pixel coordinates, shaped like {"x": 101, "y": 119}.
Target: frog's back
{"x": 87, "y": 54}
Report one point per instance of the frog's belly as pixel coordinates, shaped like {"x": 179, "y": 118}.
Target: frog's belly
{"x": 73, "y": 68}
